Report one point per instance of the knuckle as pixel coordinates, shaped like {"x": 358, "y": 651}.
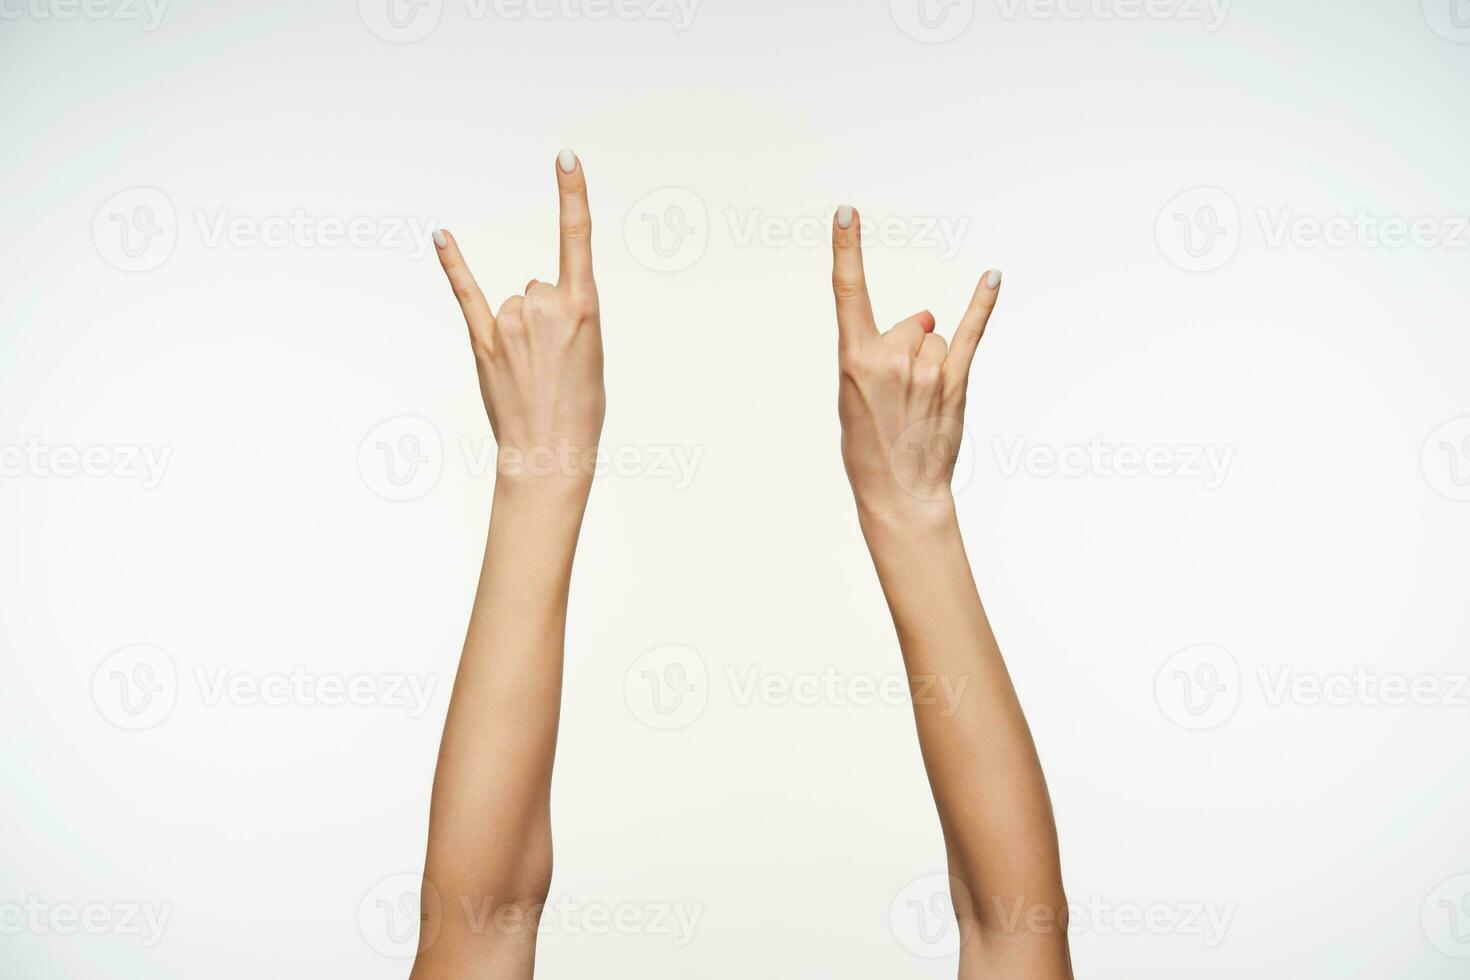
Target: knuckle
{"x": 576, "y": 229}
{"x": 953, "y": 383}
{"x": 926, "y": 375}
{"x": 847, "y": 287}
{"x": 510, "y": 320}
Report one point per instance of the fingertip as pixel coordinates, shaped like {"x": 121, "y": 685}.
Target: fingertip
{"x": 926, "y": 320}
{"x": 567, "y": 161}
{"x": 992, "y": 279}
{"x": 846, "y": 217}
{"x": 441, "y": 239}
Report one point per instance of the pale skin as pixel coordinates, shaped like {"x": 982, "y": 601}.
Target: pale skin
{"x": 902, "y": 405}
{"x": 539, "y": 360}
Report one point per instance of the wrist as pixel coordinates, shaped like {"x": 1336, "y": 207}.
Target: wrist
{"x": 542, "y": 501}
{"x": 888, "y": 519}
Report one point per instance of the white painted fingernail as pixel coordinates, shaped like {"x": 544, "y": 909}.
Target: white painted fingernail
{"x": 993, "y": 280}
{"x": 844, "y": 217}
{"x": 440, "y": 239}
{"x": 567, "y": 161}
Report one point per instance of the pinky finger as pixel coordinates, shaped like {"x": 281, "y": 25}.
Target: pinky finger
{"x": 972, "y": 327}
{"x": 477, "y": 313}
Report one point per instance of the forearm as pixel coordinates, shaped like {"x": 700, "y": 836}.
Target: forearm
{"x": 489, "y": 856}
{"x": 982, "y": 764}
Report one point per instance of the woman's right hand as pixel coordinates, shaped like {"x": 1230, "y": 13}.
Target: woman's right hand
{"x": 902, "y": 399}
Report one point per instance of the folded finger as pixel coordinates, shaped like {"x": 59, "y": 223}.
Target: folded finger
{"x": 910, "y": 333}
{"x": 932, "y": 350}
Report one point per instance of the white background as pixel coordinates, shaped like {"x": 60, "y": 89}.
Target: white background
{"x": 1327, "y": 832}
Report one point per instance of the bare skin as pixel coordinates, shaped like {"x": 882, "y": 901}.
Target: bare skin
{"x": 539, "y": 360}
{"x": 902, "y": 406}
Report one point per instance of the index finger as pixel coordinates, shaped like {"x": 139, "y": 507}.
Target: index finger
{"x": 576, "y": 222}
{"x": 849, "y": 283}
{"x": 972, "y": 327}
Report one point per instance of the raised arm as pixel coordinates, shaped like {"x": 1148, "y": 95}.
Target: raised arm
{"x": 902, "y": 405}
{"x": 539, "y": 361}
